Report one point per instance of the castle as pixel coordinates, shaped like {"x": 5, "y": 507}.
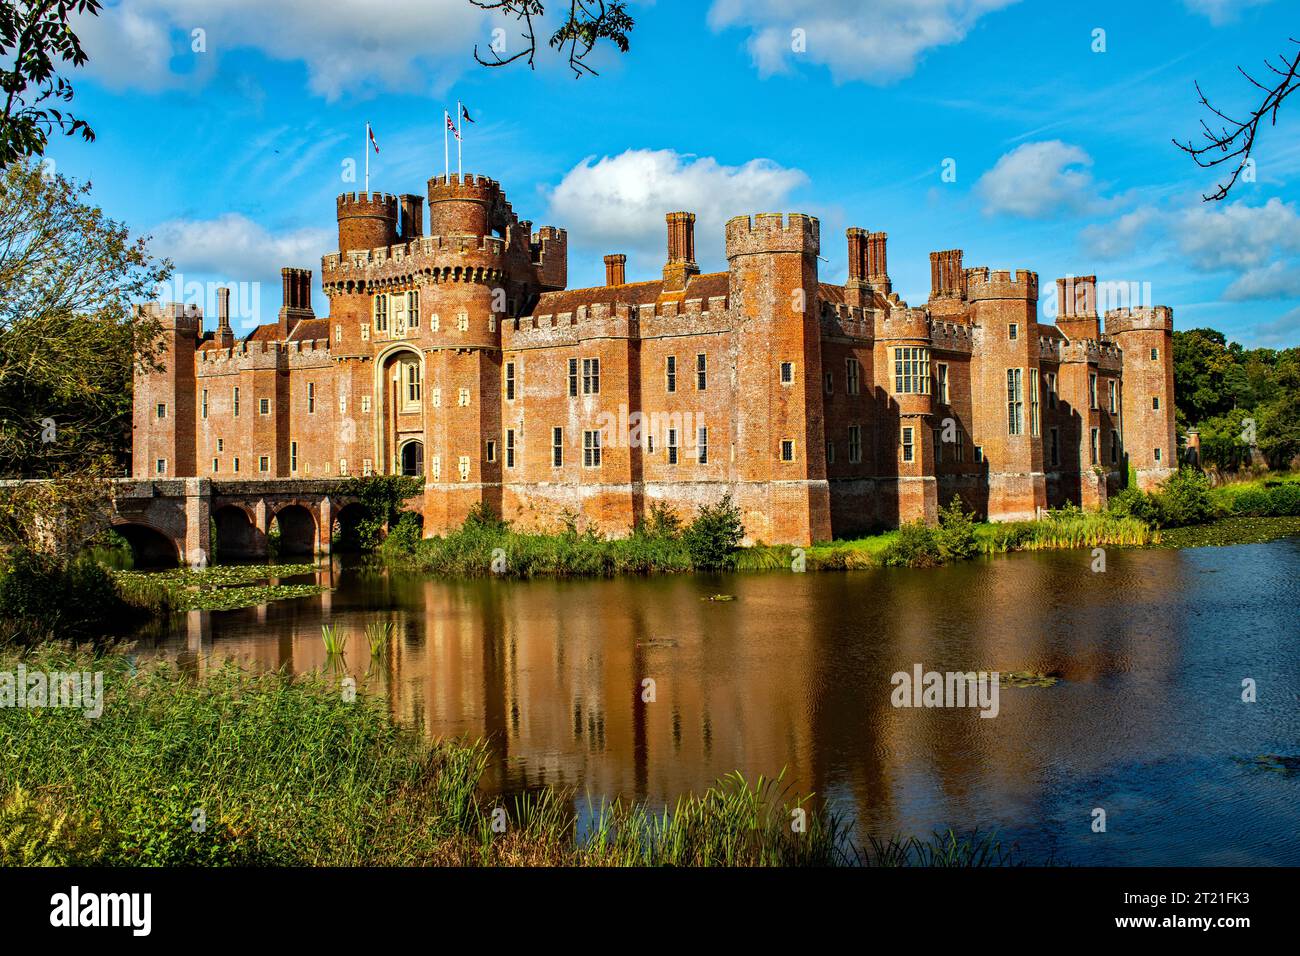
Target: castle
{"x": 458, "y": 355}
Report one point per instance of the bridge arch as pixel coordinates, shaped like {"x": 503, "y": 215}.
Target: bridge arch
{"x": 150, "y": 547}
{"x": 298, "y": 529}
{"x": 237, "y": 533}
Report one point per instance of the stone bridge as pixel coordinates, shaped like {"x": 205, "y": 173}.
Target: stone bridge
{"x": 171, "y": 520}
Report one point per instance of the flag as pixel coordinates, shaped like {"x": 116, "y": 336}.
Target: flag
{"x": 370, "y": 133}
{"x": 465, "y": 113}
{"x": 452, "y": 126}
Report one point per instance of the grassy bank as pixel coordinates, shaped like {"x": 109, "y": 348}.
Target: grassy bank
{"x": 236, "y": 767}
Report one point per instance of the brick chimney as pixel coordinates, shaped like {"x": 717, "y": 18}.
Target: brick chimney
{"x": 296, "y": 291}
{"x": 412, "y": 226}
{"x": 225, "y": 337}
{"x": 947, "y": 277}
{"x": 681, "y": 251}
{"x": 1076, "y": 304}
{"x": 616, "y": 269}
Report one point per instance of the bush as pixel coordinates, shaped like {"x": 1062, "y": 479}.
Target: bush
{"x": 1285, "y": 499}
{"x": 43, "y": 596}
{"x": 1252, "y": 502}
{"x": 712, "y": 538}
{"x": 956, "y": 534}
{"x": 405, "y": 535}
{"x": 1185, "y": 499}
{"x": 915, "y": 546}
{"x": 1132, "y": 502}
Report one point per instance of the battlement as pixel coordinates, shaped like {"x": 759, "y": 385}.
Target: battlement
{"x": 769, "y": 232}
{"x": 903, "y": 322}
{"x": 983, "y": 284}
{"x": 367, "y": 204}
{"x": 1159, "y": 318}
{"x": 216, "y": 361}
{"x": 171, "y": 312}
{"x": 951, "y": 336}
{"x": 464, "y": 186}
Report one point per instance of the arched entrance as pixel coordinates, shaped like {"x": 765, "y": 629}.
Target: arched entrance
{"x": 150, "y": 548}
{"x": 297, "y": 528}
{"x": 412, "y": 457}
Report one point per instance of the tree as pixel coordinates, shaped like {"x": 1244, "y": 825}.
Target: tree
{"x": 1234, "y": 141}
{"x": 33, "y": 35}
{"x": 70, "y": 339}
{"x": 585, "y": 24}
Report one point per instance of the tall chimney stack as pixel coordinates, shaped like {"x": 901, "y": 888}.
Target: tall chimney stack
{"x": 681, "y": 251}
{"x": 616, "y": 269}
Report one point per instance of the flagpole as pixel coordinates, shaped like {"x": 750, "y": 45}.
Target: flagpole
{"x": 446, "y": 156}
{"x": 365, "y": 148}
{"x": 459, "y": 129}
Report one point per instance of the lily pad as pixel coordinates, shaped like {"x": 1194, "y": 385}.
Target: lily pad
{"x": 1028, "y": 679}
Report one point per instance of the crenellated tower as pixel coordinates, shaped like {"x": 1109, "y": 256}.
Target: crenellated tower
{"x": 1150, "y": 439}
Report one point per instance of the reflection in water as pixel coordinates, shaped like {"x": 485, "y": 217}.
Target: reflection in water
{"x": 1147, "y": 722}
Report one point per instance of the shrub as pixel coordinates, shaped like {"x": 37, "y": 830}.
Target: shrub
{"x": 915, "y": 546}
{"x": 1185, "y": 499}
{"x": 955, "y": 536}
{"x": 43, "y": 596}
{"x": 663, "y": 522}
{"x": 1132, "y": 502}
{"x": 405, "y": 535}
{"x": 1285, "y": 499}
{"x": 1252, "y": 501}
{"x": 712, "y": 538}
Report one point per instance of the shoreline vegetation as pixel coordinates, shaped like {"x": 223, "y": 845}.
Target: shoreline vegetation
{"x": 237, "y": 767}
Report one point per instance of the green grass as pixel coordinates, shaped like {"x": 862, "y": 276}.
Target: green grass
{"x": 236, "y": 767}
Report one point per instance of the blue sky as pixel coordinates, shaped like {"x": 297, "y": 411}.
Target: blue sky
{"x": 231, "y": 157}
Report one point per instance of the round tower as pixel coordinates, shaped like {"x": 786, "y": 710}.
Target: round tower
{"x": 1145, "y": 335}
{"x": 366, "y": 221}
{"x": 466, "y": 205}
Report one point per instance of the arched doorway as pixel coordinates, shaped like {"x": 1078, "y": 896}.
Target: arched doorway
{"x": 150, "y": 548}
{"x": 412, "y": 457}
{"x": 297, "y": 528}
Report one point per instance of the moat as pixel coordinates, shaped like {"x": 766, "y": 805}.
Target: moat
{"x": 1146, "y": 721}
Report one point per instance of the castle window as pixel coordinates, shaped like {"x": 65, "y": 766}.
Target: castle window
{"x": 1013, "y": 331}
{"x": 591, "y": 449}
{"x": 829, "y": 383}
{"x": 672, "y": 373}
{"x": 463, "y": 467}
{"x": 161, "y": 410}
{"x": 557, "y": 447}
{"x": 1034, "y": 410}
{"x": 510, "y": 448}
{"x": 365, "y": 403}
{"x": 573, "y": 377}
{"x": 941, "y": 385}
{"x": 235, "y": 401}
{"x": 216, "y": 465}
{"x": 960, "y": 442}
{"x": 510, "y": 381}
{"x": 591, "y": 376}
{"x": 672, "y": 446}
{"x": 787, "y": 449}
{"x": 1092, "y": 389}
{"x": 853, "y": 376}
{"x": 855, "y": 444}
{"x": 264, "y": 406}
{"x": 381, "y": 313}
{"x": 204, "y": 403}
{"x": 221, "y": 444}
{"x": 1092, "y": 446}
{"x": 367, "y": 467}
{"x": 787, "y": 373}
{"x": 343, "y": 466}
{"x": 264, "y": 464}
{"x": 1114, "y": 407}
{"x": 413, "y": 310}
{"x": 463, "y": 398}
{"x": 435, "y": 323}
{"x": 702, "y": 445}
{"x": 311, "y": 398}
{"x": 462, "y": 321}
{"x": 908, "y": 442}
{"x": 236, "y": 466}
{"x": 411, "y": 376}
{"x": 437, "y": 398}
{"x": 1155, "y": 403}
{"x": 1155, "y": 355}
{"x": 293, "y": 457}
{"x": 830, "y": 453}
{"x": 911, "y": 371}
{"x": 160, "y": 466}
{"x": 650, "y": 444}
{"x": 979, "y": 453}
{"x": 1055, "y": 446}
{"x": 1114, "y": 447}
{"x": 492, "y": 322}
{"x": 1157, "y": 454}
{"x": 437, "y": 468}
{"x": 1015, "y": 402}
{"x": 701, "y": 372}
{"x": 1050, "y": 379}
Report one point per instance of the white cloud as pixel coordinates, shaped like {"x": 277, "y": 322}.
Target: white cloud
{"x": 1115, "y": 240}
{"x": 617, "y": 203}
{"x": 1238, "y": 236}
{"x": 878, "y": 41}
{"x": 1036, "y": 180}
{"x": 234, "y": 250}
{"x": 1222, "y": 11}
{"x": 1282, "y": 333}
{"x": 347, "y": 45}
{"x": 1277, "y": 280}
